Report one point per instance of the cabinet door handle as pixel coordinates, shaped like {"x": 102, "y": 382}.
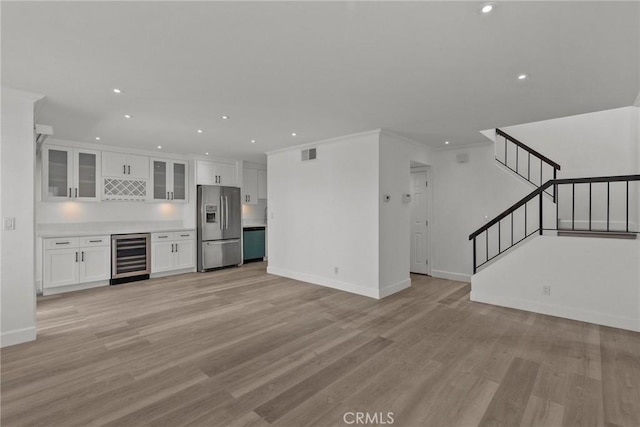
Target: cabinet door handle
{"x": 76, "y": 196}
{"x": 129, "y": 169}
{"x": 172, "y": 196}
{"x": 82, "y": 259}
{"x": 162, "y": 237}
{"x": 172, "y": 248}
{"x": 184, "y": 235}
{"x": 124, "y": 169}
{"x": 176, "y": 247}
{"x": 167, "y": 195}
{"x": 62, "y": 243}
{"x": 95, "y": 241}
{"x": 69, "y": 192}
{"x": 76, "y": 256}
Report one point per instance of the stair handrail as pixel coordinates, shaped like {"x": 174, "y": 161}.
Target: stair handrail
{"x": 528, "y": 149}
{"x": 538, "y": 193}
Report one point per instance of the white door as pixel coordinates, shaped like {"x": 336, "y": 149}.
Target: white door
{"x": 205, "y": 173}
{"x": 61, "y": 267}
{"x": 137, "y": 167}
{"x": 184, "y": 254}
{"x": 95, "y": 263}
{"x": 419, "y": 224}
{"x": 162, "y": 256}
{"x": 180, "y": 187}
{"x": 114, "y": 164}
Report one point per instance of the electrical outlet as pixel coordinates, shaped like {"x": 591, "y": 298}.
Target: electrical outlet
{"x": 336, "y": 270}
{"x": 8, "y": 223}
{"x": 546, "y": 290}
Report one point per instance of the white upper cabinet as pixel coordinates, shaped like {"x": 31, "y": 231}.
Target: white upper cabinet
{"x": 123, "y": 165}
{"x": 262, "y": 184}
{"x": 169, "y": 180}
{"x": 250, "y": 186}
{"x": 216, "y": 173}
{"x": 70, "y": 174}
{"x": 254, "y": 185}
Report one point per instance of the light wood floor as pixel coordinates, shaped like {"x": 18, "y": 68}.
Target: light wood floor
{"x": 240, "y": 347}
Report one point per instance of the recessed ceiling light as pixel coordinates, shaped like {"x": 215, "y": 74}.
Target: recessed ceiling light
{"x": 199, "y": 130}
{"x": 117, "y": 90}
{"x": 224, "y": 117}
{"x": 293, "y": 134}
{"x": 97, "y": 138}
{"x": 127, "y": 116}
{"x": 487, "y": 8}
{"x": 159, "y": 147}
{"x": 446, "y": 142}
{"x": 253, "y": 141}
{"x": 206, "y": 154}
{"x": 522, "y": 76}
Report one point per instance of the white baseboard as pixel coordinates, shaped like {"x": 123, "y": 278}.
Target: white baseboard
{"x": 323, "y": 281}
{"x": 18, "y": 336}
{"x": 459, "y": 277}
{"x": 394, "y": 288}
{"x": 70, "y": 288}
{"x": 558, "y": 311}
{"x": 172, "y": 273}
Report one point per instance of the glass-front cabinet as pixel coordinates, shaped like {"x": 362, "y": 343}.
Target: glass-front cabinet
{"x": 169, "y": 180}
{"x": 70, "y": 174}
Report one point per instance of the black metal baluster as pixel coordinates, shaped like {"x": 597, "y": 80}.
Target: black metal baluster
{"x": 589, "y": 206}
{"x": 608, "y": 205}
{"x": 557, "y": 208}
{"x": 525, "y": 219}
{"x": 486, "y": 239}
{"x": 511, "y": 228}
{"x": 499, "y": 237}
{"x": 505, "y": 150}
{"x": 555, "y": 186}
{"x": 540, "y": 173}
{"x": 517, "y": 161}
{"x": 627, "y": 207}
{"x": 573, "y": 206}
{"x": 529, "y": 166}
{"x": 540, "y": 213}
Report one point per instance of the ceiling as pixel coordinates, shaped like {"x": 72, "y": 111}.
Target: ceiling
{"x": 430, "y": 71}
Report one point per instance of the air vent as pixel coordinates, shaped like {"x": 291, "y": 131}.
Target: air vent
{"x": 308, "y": 154}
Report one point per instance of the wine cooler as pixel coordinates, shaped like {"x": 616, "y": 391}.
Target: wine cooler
{"x": 130, "y": 257}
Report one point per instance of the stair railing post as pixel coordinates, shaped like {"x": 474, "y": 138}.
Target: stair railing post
{"x": 474, "y": 256}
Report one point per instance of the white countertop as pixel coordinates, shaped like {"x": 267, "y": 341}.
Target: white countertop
{"x": 100, "y": 228}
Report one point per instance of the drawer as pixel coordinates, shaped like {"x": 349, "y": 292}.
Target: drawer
{"x": 163, "y": 237}
{"x": 95, "y": 241}
{"x": 185, "y": 235}
{"x": 61, "y": 243}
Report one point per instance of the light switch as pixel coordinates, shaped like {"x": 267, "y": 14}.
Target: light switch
{"x": 8, "y": 223}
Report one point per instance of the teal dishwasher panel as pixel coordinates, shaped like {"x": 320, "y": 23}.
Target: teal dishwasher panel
{"x": 253, "y": 247}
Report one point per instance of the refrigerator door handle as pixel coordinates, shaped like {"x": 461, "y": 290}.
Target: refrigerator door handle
{"x": 221, "y": 219}
{"x": 226, "y": 212}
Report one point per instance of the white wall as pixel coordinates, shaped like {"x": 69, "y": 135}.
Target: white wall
{"x": 323, "y": 214}
{"x": 396, "y": 155}
{"x": 466, "y": 196}
{"x": 592, "y": 280}
{"x": 18, "y": 294}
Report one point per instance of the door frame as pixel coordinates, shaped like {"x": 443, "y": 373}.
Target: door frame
{"x": 430, "y": 257}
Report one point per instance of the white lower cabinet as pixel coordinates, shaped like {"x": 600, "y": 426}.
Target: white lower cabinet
{"x": 172, "y": 251}
{"x": 74, "y": 261}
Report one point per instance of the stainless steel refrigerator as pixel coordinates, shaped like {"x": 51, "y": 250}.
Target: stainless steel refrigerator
{"x": 219, "y": 226}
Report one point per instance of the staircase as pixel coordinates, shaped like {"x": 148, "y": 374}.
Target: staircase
{"x": 587, "y": 207}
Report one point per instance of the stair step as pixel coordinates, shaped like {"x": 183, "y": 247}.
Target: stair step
{"x": 600, "y": 234}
